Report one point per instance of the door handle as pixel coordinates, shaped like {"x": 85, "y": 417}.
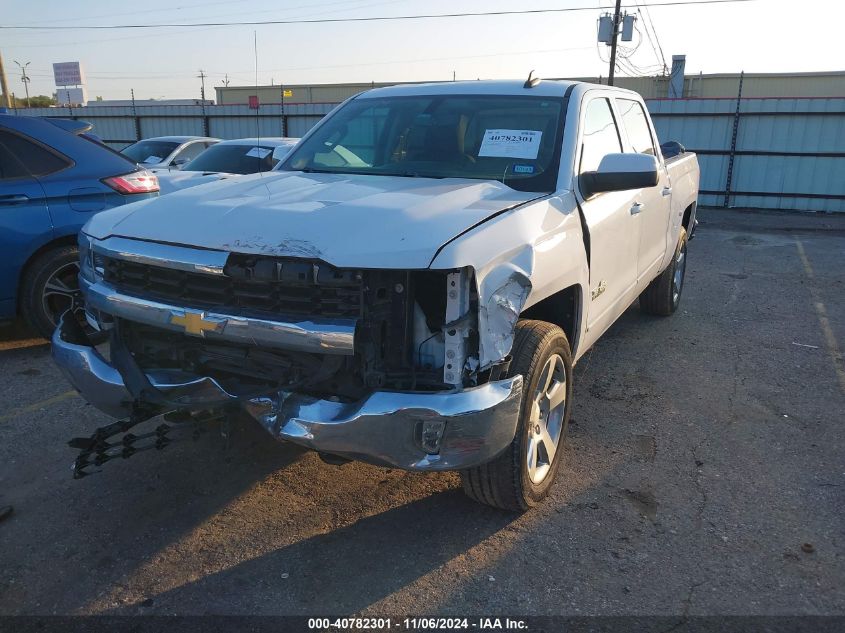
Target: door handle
{"x": 666, "y": 191}
{"x": 14, "y": 199}
{"x": 636, "y": 208}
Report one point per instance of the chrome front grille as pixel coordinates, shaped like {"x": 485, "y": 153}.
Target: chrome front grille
{"x": 266, "y": 286}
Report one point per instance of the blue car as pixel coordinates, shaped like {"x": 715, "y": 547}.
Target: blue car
{"x": 52, "y": 179}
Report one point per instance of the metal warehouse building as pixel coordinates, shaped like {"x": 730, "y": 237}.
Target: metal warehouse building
{"x": 724, "y": 85}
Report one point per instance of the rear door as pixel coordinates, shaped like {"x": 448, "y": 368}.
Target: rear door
{"x": 614, "y": 228}
{"x": 24, "y": 221}
{"x": 655, "y": 206}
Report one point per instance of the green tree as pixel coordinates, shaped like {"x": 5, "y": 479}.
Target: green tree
{"x": 38, "y": 101}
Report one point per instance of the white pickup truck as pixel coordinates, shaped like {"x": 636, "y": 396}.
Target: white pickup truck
{"x": 411, "y": 288}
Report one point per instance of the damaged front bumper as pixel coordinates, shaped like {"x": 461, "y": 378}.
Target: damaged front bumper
{"x": 414, "y": 431}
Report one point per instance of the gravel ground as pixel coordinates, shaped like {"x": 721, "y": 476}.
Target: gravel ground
{"x": 704, "y": 475}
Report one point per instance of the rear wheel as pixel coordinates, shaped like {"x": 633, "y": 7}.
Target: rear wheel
{"x": 663, "y": 295}
{"x": 522, "y": 476}
{"x": 50, "y": 288}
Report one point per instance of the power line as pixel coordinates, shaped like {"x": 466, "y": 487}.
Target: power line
{"x": 116, "y": 76}
{"x": 661, "y": 57}
{"x": 377, "y": 18}
{"x": 147, "y": 35}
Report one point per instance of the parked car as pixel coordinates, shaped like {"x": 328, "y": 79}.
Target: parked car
{"x": 167, "y": 153}
{"x": 411, "y": 288}
{"x": 52, "y": 180}
{"x": 227, "y": 159}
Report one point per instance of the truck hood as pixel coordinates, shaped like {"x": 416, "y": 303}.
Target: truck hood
{"x": 345, "y": 220}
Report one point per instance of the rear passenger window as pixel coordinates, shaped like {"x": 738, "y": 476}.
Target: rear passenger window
{"x": 9, "y": 167}
{"x": 636, "y": 125}
{"x": 601, "y": 136}
{"x": 36, "y": 159}
{"x": 191, "y": 151}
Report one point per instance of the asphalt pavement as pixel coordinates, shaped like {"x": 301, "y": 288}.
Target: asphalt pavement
{"x": 704, "y": 474}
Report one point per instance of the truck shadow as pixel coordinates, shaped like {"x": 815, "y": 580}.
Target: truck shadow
{"x": 344, "y": 570}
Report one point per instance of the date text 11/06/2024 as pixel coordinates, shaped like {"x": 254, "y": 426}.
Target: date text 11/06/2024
{"x": 416, "y": 624}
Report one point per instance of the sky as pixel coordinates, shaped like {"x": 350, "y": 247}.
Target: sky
{"x": 756, "y": 36}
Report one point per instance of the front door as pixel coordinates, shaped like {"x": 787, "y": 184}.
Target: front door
{"x": 612, "y": 222}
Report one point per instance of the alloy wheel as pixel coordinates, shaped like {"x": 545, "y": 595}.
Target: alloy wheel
{"x": 548, "y": 406}
{"x": 61, "y": 293}
{"x": 678, "y": 278}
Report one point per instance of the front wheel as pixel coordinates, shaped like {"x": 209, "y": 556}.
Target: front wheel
{"x": 522, "y": 476}
{"x": 663, "y": 295}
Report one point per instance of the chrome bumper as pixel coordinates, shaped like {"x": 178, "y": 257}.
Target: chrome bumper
{"x": 327, "y": 336}
{"x": 414, "y": 431}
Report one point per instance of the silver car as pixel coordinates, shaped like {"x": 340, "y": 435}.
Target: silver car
{"x": 164, "y": 153}
{"x": 227, "y": 159}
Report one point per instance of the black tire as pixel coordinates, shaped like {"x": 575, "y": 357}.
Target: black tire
{"x": 505, "y": 482}
{"x": 50, "y": 286}
{"x": 663, "y": 295}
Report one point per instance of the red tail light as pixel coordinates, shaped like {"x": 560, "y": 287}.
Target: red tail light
{"x": 141, "y": 181}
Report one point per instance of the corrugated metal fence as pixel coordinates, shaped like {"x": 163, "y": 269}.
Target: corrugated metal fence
{"x": 779, "y": 153}
{"x": 119, "y": 126}
{"x": 766, "y": 153}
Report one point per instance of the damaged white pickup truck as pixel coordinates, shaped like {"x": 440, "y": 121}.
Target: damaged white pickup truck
{"x": 411, "y": 288}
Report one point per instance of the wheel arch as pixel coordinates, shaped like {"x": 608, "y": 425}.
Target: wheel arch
{"x": 564, "y": 309}
{"x": 689, "y": 217}
{"x": 57, "y": 242}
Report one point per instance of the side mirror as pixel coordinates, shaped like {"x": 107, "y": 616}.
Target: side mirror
{"x": 620, "y": 172}
{"x": 178, "y": 163}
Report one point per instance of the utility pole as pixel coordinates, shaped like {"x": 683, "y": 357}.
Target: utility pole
{"x": 613, "y": 36}
{"x": 24, "y": 79}
{"x": 4, "y": 86}
{"x": 202, "y": 77}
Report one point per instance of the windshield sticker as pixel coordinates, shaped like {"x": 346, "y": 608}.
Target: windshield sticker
{"x": 152, "y": 160}
{"x": 258, "y": 152}
{"x": 523, "y": 169}
{"x": 511, "y": 144}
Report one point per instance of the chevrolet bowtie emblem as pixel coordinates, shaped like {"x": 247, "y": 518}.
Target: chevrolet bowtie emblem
{"x": 194, "y": 322}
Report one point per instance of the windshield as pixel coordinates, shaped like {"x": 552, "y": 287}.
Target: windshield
{"x": 149, "y": 152}
{"x": 234, "y": 159}
{"x": 514, "y": 140}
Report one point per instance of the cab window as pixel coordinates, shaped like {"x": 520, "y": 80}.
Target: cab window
{"x": 601, "y": 136}
{"x": 636, "y": 125}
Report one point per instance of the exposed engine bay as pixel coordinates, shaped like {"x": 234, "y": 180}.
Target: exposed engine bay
{"x": 415, "y": 330}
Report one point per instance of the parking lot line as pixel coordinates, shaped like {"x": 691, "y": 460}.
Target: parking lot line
{"x": 821, "y": 313}
{"x": 36, "y": 406}
{"x": 22, "y": 344}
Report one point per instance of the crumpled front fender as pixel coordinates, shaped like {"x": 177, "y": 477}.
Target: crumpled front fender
{"x": 502, "y": 293}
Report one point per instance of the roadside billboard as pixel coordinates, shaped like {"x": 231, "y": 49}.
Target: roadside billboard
{"x": 68, "y": 74}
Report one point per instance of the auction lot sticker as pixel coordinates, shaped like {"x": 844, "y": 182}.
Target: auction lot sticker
{"x": 258, "y": 152}
{"x": 511, "y": 144}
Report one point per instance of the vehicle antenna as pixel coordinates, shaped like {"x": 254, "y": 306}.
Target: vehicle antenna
{"x": 531, "y": 81}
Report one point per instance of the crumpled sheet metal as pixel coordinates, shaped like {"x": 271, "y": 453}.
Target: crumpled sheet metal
{"x": 502, "y": 293}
